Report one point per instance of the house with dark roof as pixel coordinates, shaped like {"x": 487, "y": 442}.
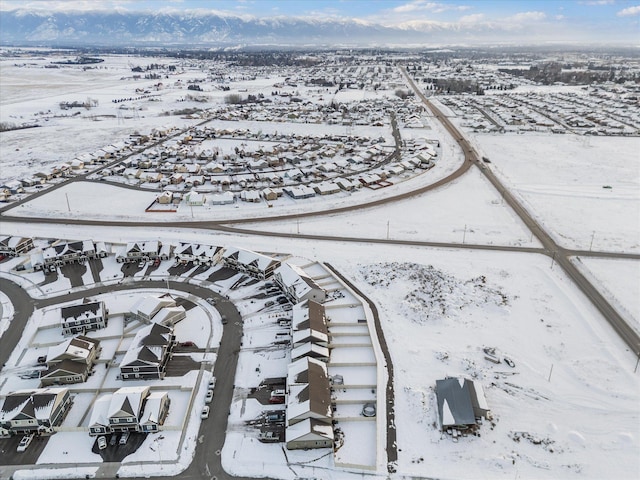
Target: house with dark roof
{"x": 37, "y": 410}
{"x": 252, "y": 263}
{"x": 13, "y": 246}
{"x": 70, "y": 362}
{"x": 460, "y": 403}
{"x": 64, "y": 253}
{"x": 146, "y": 250}
{"x": 197, "y": 253}
{"x": 297, "y": 285}
{"x": 148, "y": 354}
{"x": 83, "y": 317}
{"x": 309, "y": 391}
{"x": 126, "y": 407}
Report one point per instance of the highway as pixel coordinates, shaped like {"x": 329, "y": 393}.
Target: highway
{"x": 551, "y": 248}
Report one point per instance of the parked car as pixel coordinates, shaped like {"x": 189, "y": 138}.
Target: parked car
{"x": 209, "y": 396}
{"x": 369, "y": 410}
{"x": 124, "y": 438}
{"x": 275, "y": 417}
{"x": 211, "y": 300}
{"x": 141, "y": 263}
{"x": 42, "y": 360}
{"x": 25, "y": 442}
{"x": 277, "y": 396}
{"x": 224, "y": 319}
{"x": 102, "y": 442}
{"x": 212, "y": 383}
{"x": 187, "y": 344}
{"x": 205, "y": 412}
{"x": 156, "y": 262}
{"x": 113, "y": 440}
{"x": 269, "y": 303}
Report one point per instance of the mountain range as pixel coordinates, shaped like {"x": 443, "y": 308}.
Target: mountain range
{"x": 99, "y": 28}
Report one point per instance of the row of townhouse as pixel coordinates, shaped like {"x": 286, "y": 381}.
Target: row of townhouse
{"x": 129, "y": 409}
{"x": 297, "y": 285}
{"x": 12, "y": 246}
{"x": 309, "y": 409}
{"x": 83, "y": 317}
{"x": 35, "y": 410}
{"x": 197, "y": 253}
{"x": 62, "y": 253}
{"x": 145, "y": 250}
{"x": 253, "y": 264}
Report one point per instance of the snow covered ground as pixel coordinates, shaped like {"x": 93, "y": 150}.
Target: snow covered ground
{"x": 569, "y": 407}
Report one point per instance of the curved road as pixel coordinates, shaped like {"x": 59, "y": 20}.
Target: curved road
{"x": 207, "y": 460}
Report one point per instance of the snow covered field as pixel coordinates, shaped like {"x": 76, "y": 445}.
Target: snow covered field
{"x": 569, "y": 407}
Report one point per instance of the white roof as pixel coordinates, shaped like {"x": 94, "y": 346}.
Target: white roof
{"x": 135, "y": 395}
{"x": 304, "y": 430}
{"x": 307, "y": 349}
{"x": 99, "y": 414}
{"x": 153, "y": 408}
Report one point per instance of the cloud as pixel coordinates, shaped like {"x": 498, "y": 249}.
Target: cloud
{"x": 630, "y": 11}
{"x": 474, "y": 18}
{"x": 424, "y": 5}
{"x": 527, "y": 17}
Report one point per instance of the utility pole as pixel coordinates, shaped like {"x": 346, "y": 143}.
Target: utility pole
{"x": 592, "y": 235}
{"x": 550, "y": 371}
{"x": 68, "y": 206}
{"x": 387, "y": 229}
{"x": 464, "y": 234}
{"x": 298, "y": 225}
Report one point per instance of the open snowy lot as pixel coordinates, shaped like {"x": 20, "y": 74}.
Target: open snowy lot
{"x": 567, "y": 409}
{"x": 585, "y": 190}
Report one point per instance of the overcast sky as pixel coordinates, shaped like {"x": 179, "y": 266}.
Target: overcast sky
{"x": 610, "y": 21}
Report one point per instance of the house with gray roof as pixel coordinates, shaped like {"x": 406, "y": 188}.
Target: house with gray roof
{"x": 36, "y": 410}
{"x": 460, "y": 403}
{"x": 83, "y": 317}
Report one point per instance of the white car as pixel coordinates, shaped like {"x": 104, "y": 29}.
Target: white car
{"x": 102, "y": 442}
{"x": 209, "y": 396}
{"x": 25, "y": 442}
{"x": 212, "y": 383}
{"x": 205, "y": 412}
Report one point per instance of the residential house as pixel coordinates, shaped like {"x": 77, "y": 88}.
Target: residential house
{"x": 194, "y": 198}
{"x": 99, "y": 420}
{"x": 148, "y": 354}
{"x": 70, "y": 362}
{"x": 13, "y": 246}
{"x": 64, "y": 253}
{"x": 309, "y": 433}
{"x": 252, "y": 263}
{"x": 297, "y": 285}
{"x": 155, "y": 412}
{"x": 308, "y": 392}
{"x": 36, "y": 410}
{"x": 146, "y": 250}
{"x": 125, "y": 408}
{"x": 197, "y": 253}
{"x": 460, "y": 403}
{"x": 83, "y": 317}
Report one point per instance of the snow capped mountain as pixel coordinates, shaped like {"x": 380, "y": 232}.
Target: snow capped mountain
{"x": 192, "y": 28}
